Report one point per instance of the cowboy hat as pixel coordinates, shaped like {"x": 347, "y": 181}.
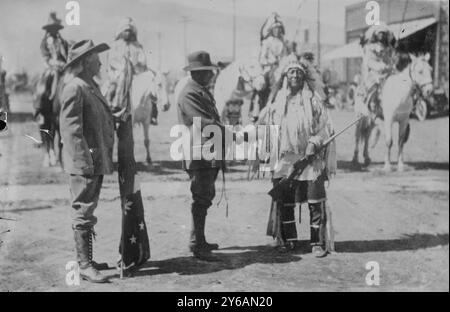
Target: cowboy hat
{"x": 199, "y": 60}
{"x": 82, "y": 49}
{"x": 53, "y": 22}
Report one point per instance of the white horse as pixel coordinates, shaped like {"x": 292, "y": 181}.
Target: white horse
{"x": 143, "y": 90}
{"x": 397, "y": 104}
{"x": 237, "y": 81}
{"x": 148, "y": 88}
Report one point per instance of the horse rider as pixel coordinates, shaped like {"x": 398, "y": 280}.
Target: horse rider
{"x": 54, "y": 50}
{"x": 87, "y": 129}
{"x": 272, "y": 43}
{"x": 126, "y": 45}
{"x": 127, "y": 51}
{"x": 378, "y": 44}
{"x": 304, "y": 125}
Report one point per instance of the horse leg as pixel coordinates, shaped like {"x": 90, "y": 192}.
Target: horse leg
{"x": 46, "y": 147}
{"x": 367, "y": 159}
{"x": 145, "y": 127}
{"x": 355, "y": 160}
{"x": 403, "y": 135}
{"x": 59, "y": 144}
{"x": 388, "y": 141}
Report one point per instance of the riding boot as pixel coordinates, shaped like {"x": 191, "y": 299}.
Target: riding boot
{"x": 83, "y": 244}
{"x": 198, "y": 245}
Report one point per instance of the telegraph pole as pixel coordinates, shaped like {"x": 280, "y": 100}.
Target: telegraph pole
{"x": 234, "y": 30}
{"x": 159, "y": 50}
{"x": 318, "y": 33}
{"x": 185, "y": 20}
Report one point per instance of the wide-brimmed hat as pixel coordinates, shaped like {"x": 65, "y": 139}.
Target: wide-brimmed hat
{"x": 82, "y": 49}
{"x": 199, "y": 60}
{"x": 53, "y": 22}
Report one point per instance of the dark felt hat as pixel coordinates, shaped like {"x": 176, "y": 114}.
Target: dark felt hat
{"x": 199, "y": 60}
{"x": 53, "y": 22}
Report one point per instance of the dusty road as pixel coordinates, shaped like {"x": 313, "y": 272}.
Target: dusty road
{"x": 400, "y": 220}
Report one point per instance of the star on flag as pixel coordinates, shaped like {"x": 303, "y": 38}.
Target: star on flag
{"x": 133, "y": 239}
{"x": 141, "y": 226}
{"x": 127, "y": 206}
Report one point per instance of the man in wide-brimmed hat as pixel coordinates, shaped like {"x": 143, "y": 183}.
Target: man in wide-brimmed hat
{"x": 195, "y": 100}
{"x": 87, "y": 130}
{"x": 54, "y": 49}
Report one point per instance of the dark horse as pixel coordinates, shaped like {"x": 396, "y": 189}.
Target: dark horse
{"x": 46, "y": 104}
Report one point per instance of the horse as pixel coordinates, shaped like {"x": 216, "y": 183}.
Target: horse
{"x": 46, "y": 117}
{"x": 234, "y": 83}
{"x": 148, "y": 88}
{"x": 139, "y": 93}
{"x": 397, "y": 103}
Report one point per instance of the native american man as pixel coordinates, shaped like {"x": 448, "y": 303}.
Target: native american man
{"x": 304, "y": 125}
{"x": 272, "y": 42}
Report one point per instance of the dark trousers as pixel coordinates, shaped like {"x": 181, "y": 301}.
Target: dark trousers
{"x": 203, "y": 192}
{"x": 312, "y": 192}
{"x": 85, "y": 192}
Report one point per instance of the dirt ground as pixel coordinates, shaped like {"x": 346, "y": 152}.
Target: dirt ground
{"x": 398, "y": 219}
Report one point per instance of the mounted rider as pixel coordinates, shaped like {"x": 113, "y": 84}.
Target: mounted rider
{"x": 272, "y": 42}
{"x": 378, "y": 44}
{"x": 54, "y": 50}
{"x": 125, "y": 47}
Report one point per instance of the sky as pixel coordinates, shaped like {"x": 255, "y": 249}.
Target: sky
{"x": 209, "y": 27}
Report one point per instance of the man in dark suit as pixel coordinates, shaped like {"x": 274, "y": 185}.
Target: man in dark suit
{"x": 195, "y": 100}
{"x": 87, "y": 131}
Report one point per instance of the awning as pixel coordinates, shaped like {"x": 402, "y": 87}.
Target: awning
{"x": 350, "y": 50}
{"x": 400, "y": 30}
{"x": 403, "y": 30}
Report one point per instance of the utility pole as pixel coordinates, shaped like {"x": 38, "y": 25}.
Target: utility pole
{"x": 318, "y": 33}
{"x": 159, "y": 50}
{"x": 185, "y": 20}
{"x": 234, "y": 30}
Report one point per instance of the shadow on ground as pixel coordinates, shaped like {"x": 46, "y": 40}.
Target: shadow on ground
{"x": 230, "y": 258}
{"x": 237, "y": 257}
{"x": 349, "y": 166}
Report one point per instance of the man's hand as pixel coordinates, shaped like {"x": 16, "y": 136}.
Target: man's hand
{"x": 314, "y": 145}
{"x": 310, "y": 149}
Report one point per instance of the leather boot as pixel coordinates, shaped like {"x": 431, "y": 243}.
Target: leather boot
{"x": 198, "y": 245}
{"x": 99, "y": 266}
{"x": 83, "y": 244}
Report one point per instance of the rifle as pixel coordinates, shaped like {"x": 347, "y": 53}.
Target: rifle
{"x": 301, "y": 164}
